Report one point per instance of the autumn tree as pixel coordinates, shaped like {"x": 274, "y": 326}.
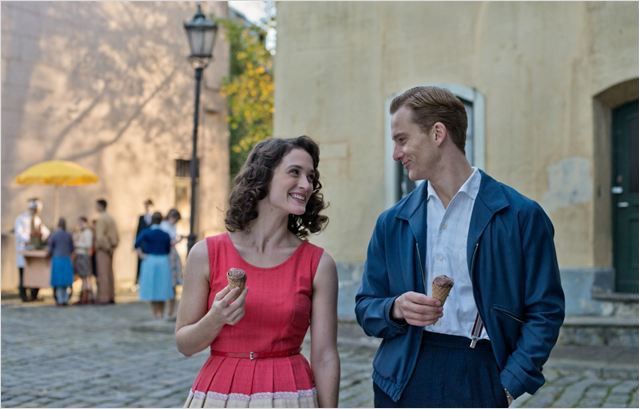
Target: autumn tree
{"x": 249, "y": 89}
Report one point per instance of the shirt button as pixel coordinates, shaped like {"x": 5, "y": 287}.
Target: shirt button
{"x": 444, "y": 226}
{"x": 440, "y": 258}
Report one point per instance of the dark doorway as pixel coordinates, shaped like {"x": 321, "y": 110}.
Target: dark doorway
{"x": 625, "y": 196}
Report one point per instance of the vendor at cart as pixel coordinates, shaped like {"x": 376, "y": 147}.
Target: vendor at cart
{"x": 30, "y": 233}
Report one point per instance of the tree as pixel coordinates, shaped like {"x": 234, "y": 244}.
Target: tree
{"x": 249, "y": 90}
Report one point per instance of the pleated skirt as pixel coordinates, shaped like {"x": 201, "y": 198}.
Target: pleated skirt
{"x": 261, "y": 383}
{"x": 82, "y": 265}
{"x": 156, "y": 283}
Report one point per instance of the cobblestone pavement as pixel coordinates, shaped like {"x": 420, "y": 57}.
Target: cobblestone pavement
{"x": 114, "y": 356}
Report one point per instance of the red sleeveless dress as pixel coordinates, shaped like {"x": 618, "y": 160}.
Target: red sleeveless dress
{"x": 277, "y": 316}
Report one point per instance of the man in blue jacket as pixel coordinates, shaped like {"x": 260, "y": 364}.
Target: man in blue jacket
{"x": 487, "y": 344}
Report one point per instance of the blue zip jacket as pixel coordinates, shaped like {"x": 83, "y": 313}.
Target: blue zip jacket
{"x": 516, "y": 284}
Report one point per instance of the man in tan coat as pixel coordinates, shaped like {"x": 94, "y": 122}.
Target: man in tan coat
{"x": 106, "y": 240}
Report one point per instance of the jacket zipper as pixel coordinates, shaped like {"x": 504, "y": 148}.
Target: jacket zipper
{"x": 476, "y": 332}
{"x": 472, "y": 261}
{"x": 508, "y": 314}
{"x": 421, "y": 267}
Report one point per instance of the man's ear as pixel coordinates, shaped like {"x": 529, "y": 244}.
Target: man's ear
{"x": 439, "y": 132}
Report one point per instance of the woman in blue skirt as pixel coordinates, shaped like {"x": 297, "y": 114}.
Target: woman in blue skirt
{"x": 60, "y": 247}
{"x": 156, "y": 284}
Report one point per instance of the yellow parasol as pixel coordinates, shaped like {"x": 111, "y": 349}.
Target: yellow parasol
{"x": 57, "y": 173}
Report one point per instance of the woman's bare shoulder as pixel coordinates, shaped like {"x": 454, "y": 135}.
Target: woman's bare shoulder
{"x": 197, "y": 260}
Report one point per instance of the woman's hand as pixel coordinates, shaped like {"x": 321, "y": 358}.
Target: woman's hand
{"x": 228, "y": 307}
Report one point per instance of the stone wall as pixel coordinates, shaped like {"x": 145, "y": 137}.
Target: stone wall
{"x": 539, "y": 67}
{"x": 108, "y": 85}
{"x": 549, "y": 74}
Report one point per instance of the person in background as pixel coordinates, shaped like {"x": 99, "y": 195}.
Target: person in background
{"x": 169, "y": 225}
{"x": 94, "y": 264}
{"x": 83, "y": 242}
{"x": 28, "y": 226}
{"x": 106, "y": 240}
{"x": 144, "y": 221}
{"x": 60, "y": 247}
{"x": 153, "y": 246}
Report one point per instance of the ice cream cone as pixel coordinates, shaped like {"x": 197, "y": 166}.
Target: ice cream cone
{"x": 236, "y": 277}
{"x": 441, "y": 287}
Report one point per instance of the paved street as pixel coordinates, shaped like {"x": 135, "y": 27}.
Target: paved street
{"x": 113, "y": 356}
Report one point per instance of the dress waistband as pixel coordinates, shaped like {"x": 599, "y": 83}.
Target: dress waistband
{"x": 257, "y": 355}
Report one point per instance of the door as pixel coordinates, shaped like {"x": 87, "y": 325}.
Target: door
{"x": 625, "y": 196}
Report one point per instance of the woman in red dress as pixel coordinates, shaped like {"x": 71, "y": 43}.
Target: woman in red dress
{"x": 255, "y": 335}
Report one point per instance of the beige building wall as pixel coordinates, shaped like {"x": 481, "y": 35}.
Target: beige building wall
{"x": 108, "y": 85}
{"x": 539, "y": 66}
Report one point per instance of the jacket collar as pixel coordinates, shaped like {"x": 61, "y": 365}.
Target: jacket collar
{"x": 490, "y": 200}
{"x": 413, "y": 209}
{"x": 413, "y": 202}
{"x": 490, "y": 196}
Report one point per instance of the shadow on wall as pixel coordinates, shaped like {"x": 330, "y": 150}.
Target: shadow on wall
{"x": 106, "y": 84}
{"x": 86, "y": 92}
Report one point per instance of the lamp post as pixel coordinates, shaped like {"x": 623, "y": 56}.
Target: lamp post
{"x": 201, "y": 33}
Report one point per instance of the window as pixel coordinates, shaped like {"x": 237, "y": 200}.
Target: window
{"x": 397, "y": 182}
{"x": 183, "y": 191}
{"x": 182, "y": 168}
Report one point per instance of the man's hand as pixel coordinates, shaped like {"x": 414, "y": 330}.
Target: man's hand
{"x": 417, "y": 309}
{"x": 509, "y": 397}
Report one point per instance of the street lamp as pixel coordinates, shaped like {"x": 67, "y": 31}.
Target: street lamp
{"x": 201, "y": 33}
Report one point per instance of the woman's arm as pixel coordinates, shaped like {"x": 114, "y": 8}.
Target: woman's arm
{"x": 324, "y": 356}
{"x": 196, "y": 327}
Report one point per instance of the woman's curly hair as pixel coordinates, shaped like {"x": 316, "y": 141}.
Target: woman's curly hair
{"x": 253, "y": 181}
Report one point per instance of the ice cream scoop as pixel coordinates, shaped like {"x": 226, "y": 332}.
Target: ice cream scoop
{"x": 441, "y": 287}
{"x": 236, "y": 278}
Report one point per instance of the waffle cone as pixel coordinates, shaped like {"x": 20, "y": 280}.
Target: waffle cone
{"x": 236, "y": 278}
{"x": 441, "y": 293}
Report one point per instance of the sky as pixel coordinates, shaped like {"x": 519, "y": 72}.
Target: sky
{"x": 252, "y": 10}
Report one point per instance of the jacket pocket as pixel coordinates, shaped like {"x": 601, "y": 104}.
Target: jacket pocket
{"x": 509, "y": 327}
{"x": 508, "y": 314}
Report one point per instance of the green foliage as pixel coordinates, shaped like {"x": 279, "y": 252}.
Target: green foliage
{"x": 249, "y": 90}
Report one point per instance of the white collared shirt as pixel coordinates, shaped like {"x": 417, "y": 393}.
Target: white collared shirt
{"x": 447, "y": 237}
{"x": 169, "y": 228}
{"x": 22, "y": 231}
{"x": 83, "y": 241}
